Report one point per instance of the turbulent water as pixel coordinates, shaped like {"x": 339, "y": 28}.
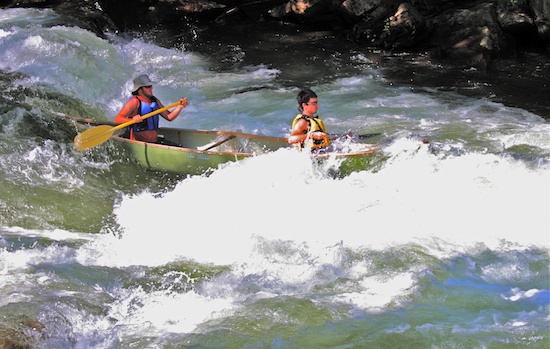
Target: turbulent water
{"x": 443, "y": 244}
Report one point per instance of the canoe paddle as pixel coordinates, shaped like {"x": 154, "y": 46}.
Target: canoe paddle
{"x": 350, "y": 135}
{"x": 369, "y": 135}
{"x": 215, "y": 144}
{"x": 99, "y": 134}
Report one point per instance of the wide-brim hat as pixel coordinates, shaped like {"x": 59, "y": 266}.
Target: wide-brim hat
{"x": 140, "y": 81}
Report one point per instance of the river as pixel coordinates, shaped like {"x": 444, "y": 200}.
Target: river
{"x": 438, "y": 244}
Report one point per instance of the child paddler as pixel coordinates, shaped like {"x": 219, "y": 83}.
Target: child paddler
{"x": 308, "y": 130}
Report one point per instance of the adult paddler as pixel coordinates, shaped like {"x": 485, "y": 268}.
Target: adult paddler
{"x": 308, "y": 130}
{"x": 141, "y": 103}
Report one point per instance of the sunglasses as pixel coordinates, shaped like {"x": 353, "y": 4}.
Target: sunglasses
{"x": 148, "y": 86}
{"x": 313, "y": 103}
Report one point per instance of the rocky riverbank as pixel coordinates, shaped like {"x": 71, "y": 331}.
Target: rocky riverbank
{"x": 466, "y": 33}
{"x": 497, "y": 49}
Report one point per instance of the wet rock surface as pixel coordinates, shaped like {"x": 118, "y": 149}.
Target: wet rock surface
{"x": 463, "y": 32}
{"x": 493, "y": 47}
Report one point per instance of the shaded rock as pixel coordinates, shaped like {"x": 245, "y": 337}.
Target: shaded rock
{"x": 514, "y": 18}
{"x": 405, "y": 29}
{"x": 360, "y": 8}
{"x": 470, "y": 32}
{"x": 469, "y": 37}
{"x": 325, "y": 14}
{"x": 25, "y": 336}
{"x": 518, "y": 19}
{"x": 373, "y": 22}
{"x": 541, "y": 14}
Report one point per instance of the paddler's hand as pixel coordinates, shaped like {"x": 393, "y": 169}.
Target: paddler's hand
{"x": 317, "y": 135}
{"x": 183, "y": 103}
{"x": 137, "y": 118}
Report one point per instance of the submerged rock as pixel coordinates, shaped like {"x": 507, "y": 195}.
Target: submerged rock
{"x": 24, "y": 336}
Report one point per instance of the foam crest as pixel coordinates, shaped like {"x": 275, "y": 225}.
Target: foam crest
{"x": 162, "y": 312}
{"x": 416, "y": 196}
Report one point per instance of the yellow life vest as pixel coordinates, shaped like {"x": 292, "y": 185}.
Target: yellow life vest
{"x": 315, "y": 124}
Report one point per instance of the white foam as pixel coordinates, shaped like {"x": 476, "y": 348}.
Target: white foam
{"x": 417, "y": 196}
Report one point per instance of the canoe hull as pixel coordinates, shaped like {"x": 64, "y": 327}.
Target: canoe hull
{"x": 174, "y": 159}
{"x": 194, "y": 152}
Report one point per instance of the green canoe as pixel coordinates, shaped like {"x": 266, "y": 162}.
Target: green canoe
{"x": 188, "y": 151}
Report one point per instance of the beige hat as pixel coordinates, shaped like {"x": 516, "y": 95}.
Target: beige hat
{"x": 140, "y": 81}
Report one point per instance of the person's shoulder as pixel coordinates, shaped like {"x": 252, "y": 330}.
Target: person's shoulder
{"x": 301, "y": 123}
{"x": 303, "y": 118}
{"x": 134, "y": 100}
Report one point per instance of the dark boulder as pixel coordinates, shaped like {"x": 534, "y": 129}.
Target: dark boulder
{"x": 405, "y": 29}
{"x": 469, "y": 36}
{"x": 541, "y": 15}
{"x": 471, "y": 32}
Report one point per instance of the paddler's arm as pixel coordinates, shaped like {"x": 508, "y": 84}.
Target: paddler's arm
{"x": 302, "y": 137}
{"x": 299, "y": 134}
{"x": 318, "y": 135}
{"x": 128, "y": 112}
{"x": 174, "y": 112}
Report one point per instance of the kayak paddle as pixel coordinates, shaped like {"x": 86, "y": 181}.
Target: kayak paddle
{"x": 99, "y": 134}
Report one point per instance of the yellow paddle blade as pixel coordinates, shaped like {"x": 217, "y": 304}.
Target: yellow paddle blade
{"x": 93, "y": 137}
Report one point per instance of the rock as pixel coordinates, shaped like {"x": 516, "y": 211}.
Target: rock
{"x": 470, "y": 32}
{"x": 373, "y": 23}
{"x": 469, "y": 37}
{"x": 24, "y": 336}
{"x": 325, "y": 14}
{"x": 541, "y": 15}
{"x": 404, "y": 29}
{"x": 514, "y": 18}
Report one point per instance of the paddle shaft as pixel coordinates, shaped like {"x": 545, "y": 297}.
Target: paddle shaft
{"x": 158, "y": 111}
{"x": 215, "y": 144}
{"x": 350, "y": 135}
{"x": 99, "y": 134}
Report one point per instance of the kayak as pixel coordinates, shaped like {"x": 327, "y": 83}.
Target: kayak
{"x": 193, "y": 152}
